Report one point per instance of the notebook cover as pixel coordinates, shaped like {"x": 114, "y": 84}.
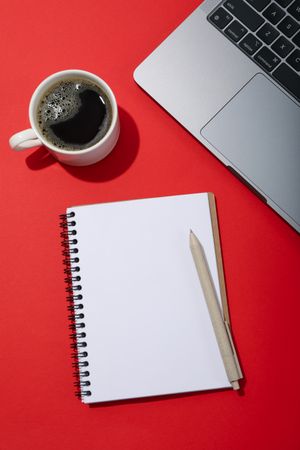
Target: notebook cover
{"x": 170, "y": 368}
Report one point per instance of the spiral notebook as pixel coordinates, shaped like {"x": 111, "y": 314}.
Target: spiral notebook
{"x": 139, "y": 320}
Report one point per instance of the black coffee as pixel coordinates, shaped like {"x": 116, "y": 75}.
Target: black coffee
{"x": 74, "y": 114}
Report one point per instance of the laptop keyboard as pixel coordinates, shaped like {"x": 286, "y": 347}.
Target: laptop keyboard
{"x": 268, "y": 32}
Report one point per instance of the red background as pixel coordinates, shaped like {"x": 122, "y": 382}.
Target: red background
{"x": 155, "y": 156}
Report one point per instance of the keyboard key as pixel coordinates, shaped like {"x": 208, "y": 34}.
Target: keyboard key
{"x": 288, "y": 26}
{"x": 273, "y": 13}
{"x": 267, "y": 59}
{"x": 244, "y": 13}
{"x": 235, "y": 31}
{"x": 250, "y": 44}
{"x": 282, "y": 47}
{"x": 294, "y": 10}
{"x": 283, "y": 3}
{"x": 296, "y": 39}
{"x": 267, "y": 33}
{"x": 294, "y": 60}
{"x": 220, "y": 18}
{"x": 259, "y": 5}
{"x": 289, "y": 79}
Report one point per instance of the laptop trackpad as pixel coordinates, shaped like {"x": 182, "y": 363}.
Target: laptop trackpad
{"x": 258, "y": 131}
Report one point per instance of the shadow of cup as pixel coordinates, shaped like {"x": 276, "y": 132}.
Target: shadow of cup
{"x": 116, "y": 163}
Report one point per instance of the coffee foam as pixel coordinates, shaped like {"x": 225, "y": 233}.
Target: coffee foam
{"x": 61, "y": 103}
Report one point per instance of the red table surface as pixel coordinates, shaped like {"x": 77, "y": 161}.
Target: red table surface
{"x": 155, "y": 156}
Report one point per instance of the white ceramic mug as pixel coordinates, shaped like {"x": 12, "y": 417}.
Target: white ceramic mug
{"x": 32, "y": 137}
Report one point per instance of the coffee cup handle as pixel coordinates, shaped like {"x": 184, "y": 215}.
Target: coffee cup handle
{"x": 24, "y": 139}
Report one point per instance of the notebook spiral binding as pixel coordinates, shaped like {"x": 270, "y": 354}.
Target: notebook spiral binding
{"x": 76, "y": 304}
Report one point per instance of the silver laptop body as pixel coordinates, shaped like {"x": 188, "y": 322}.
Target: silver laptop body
{"x": 226, "y": 75}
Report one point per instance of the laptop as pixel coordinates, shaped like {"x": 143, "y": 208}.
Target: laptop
{"x": 230, "y": 74}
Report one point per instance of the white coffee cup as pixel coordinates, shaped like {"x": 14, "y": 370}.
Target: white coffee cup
{"x": 32, "y": 137}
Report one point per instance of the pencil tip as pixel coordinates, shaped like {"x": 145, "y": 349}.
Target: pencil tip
{"x": 191, "y": 236}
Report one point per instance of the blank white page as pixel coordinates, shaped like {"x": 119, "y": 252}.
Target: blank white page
{"x": 148, "y": 331}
